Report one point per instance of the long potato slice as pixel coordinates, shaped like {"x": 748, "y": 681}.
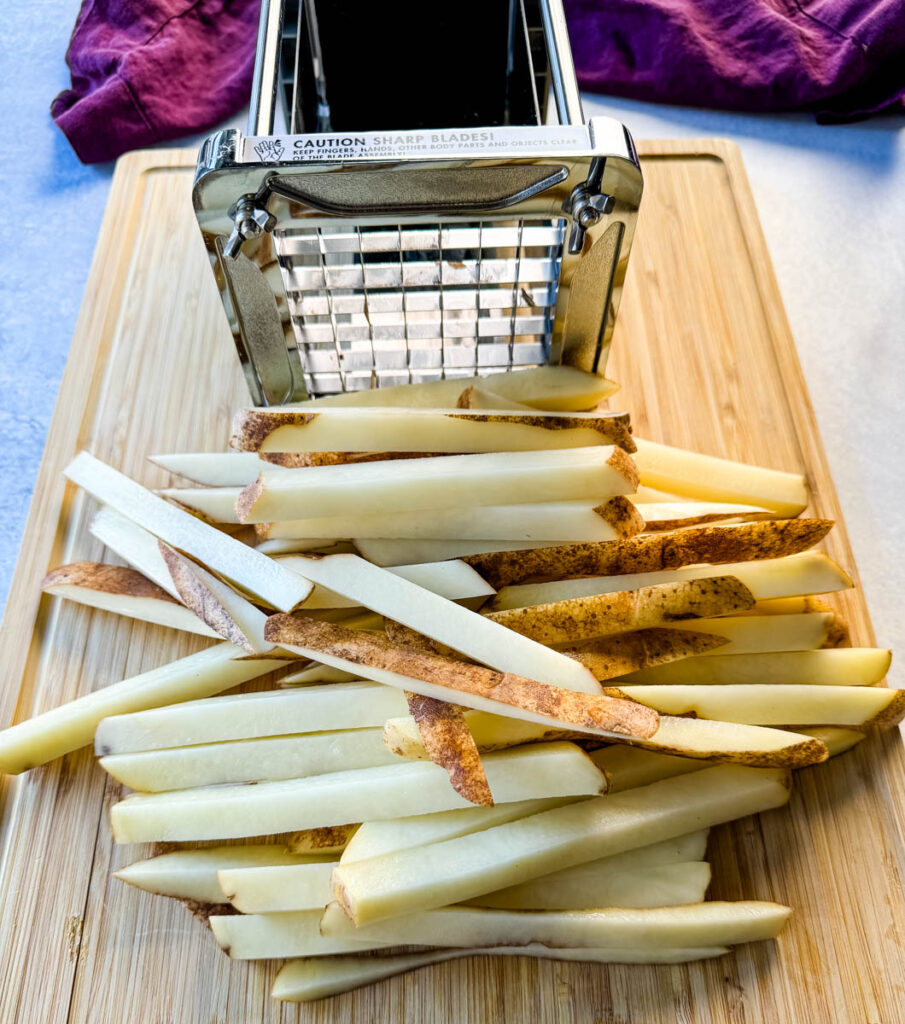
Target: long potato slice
{"x": 114, "y": 588}
{"x": 269, "y": 889}
{"x": 213, "y": 469}
{"x": 756, "y": 634}
{"x": 70, "y": 726}
{"x": 389, "y": 791}
{"x": 224, "y": 555}
{"x": 458, "y": 869}
{"x": 811, "y": 572}
{"x": 388, "y": 552}
{"x": 699, "y": 924}
{"x": 610, "y": 656}
{"x": 192, "y": 874}
{"x": 464, "y": 631}
{"x": 445, "y": 678}
{"x": 840, "y": 666}
{"x": 582, "y": 618}
{"x": 314, "y": 709}
{"x": 304, "y": 980}
{"x": 707, "y": 478}
{"x": 271, "y": 936}
{"x": 653, "y": 552}
{"x": 134, "y": 545}
{"x": 554, "y": 388}
{"x": 676, "y": 515}
{"x": 331, "y": 839}
{"x": 257, "y": 760}
{"x": 558, "y": 521}
{"x": 859, "y": 706}
{"x": 455, "y": 431}
{"x": 402, "y": 485}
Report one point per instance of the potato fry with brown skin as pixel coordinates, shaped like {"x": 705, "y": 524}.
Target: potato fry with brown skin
{"x": 465, "y": 683}
{"x": 679, "y": 515}
{"x": 327, "y": 839}
{"x": 609, "y": 656}
{"x": 653, "y": 552}
{"x": 582, "y": 618}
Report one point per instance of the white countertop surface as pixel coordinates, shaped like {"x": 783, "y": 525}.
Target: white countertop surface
{"x": 832, "y": 204}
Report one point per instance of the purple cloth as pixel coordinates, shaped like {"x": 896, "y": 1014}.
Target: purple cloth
{"x": 144, "y": 71}
{"x": 841, "y": 58}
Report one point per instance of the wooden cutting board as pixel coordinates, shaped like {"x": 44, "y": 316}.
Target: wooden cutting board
{"x": 706, "y": 360}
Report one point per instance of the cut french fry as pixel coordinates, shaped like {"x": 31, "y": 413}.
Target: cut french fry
{"x": 555, "y": 388}
{"x": 391, "y": 791}
{"x": 836, "y": 740}
{"x": 134, "y": 545}
{"x": 304, "y": 980}
{"x": 269, "y": 759}
{"x": 213, "y": 469}
{"x": 440, "y": 431}
{"x": 114, "y": 588}
{"x": 387, "y": 552}
{"x": 66, "y": 728}
{"x": 763, "y": 634}
{"x": 331, "y": 839}
{"x": 653, "y": 552}
{"x": 229, "y": 614}
{"x": 706, "y": 478}
{"x": 698, "y": 924}
{"x": 448, "y": 742}
{"x": 215, "y": 504}
{"x": 271, "y": 936}
{"x": 609, "y": 656}
{"x": 464, "y": 631}
{"x": 599, "y": 884}
{"x": 553, "y": 521}
{"x": 676, "y": 515}
{"x": 424, "y": 877}
{"x": 314, "y": 709}
{"x": 192, "y": 874}
{"x": 811, "y": 572}
{"x": 860, "y": 706}
{"x": 404, "y": 485}
{"x": 375, "y": 838}
{"x": 444, "y": 678}
{"x": 629, "y": 767}
{"x": 843, "y": 666}
{"x": 452, "y": 579}
{"x": 269, "y": 889}
{"x": 224, "y": 555}
{"x": 582, "y": 618}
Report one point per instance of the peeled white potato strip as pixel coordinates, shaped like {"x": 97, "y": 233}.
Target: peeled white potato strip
{"x": 653, "y": 552}
{"x": 224, "y": 555}
{"x": 754, "y": 634}
{"x": 707, "y": 478}
{"x": 133, "y": 545}
{"x": 273, "y": 936}
{"x": 271, "y": 889}
{"x": 425, "y": 877}
{"x": 404, "y": 485}
{"x": 680, "y": 514}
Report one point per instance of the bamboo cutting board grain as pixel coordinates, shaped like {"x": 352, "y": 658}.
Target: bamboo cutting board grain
{"x": 706, "y": 360}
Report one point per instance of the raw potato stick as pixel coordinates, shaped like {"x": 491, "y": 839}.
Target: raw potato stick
{"x": 700, "y": 924}
{"x": 843, "y": 666}
{"x": 554, "y": 521}
{"x": 582, "y": 618}
{"x": 453, "y": 431}
{"x": 314, "y": 709}
{"x": 403, "y": 738}
{"x": 114, "y": 588}
{"x": 791, "y": 705}
{"x": 404, "y": 485}
{"x": 754, "y": 634}
{"x": 474, "y": 686}
{"x": 133, "y": 545}
{"x": 275, "y": 888}
{"x": 192, "y": 874}
{"x": 610, "y": 656}
{"x": 677, "y": 515}
{"x": 212, "y": 469}
{"x": 811, "y": 572}
{"x": 390, "y": 791}
{"x": 271, "y": 936}
{"x": 693, "y": 475}
{"x": 464, "y": 631}
{"x": 66, "y": 728}
{"x": 327, "y": 840}
{"x": 257, "y": 760}
{"x": 653, "y": 552}
{"x": 224, "y": 555}
{"x": 388, "y": 552}
{"x": 425, "y": 877}
{"x": 304, "y": 980}
{"x": 554, "y": 388}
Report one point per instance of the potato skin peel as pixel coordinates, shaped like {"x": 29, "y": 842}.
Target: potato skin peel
{"x": 107, "y": 579}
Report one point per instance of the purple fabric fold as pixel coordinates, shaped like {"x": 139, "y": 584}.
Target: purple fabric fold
{"x": 842, "y": 59}
{"x": 144, "y": 71}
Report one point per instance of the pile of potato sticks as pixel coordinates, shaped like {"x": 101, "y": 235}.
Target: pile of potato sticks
{"x": 532, "y": 660}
